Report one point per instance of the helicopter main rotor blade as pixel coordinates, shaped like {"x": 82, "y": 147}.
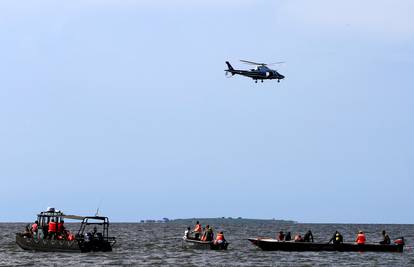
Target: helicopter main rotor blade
{"x": 275, "y": 63}
{"x": 253, "y": 63}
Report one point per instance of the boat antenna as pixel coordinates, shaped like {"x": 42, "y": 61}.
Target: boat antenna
{"x": 97, "y": 209}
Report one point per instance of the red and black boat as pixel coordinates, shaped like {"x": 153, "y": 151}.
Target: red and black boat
{"x": 270, "y": 244}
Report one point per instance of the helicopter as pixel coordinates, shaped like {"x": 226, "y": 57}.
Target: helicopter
{"x": 261, "y": 72}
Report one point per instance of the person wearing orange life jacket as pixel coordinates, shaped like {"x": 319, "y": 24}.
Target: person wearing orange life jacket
{"x": 60, "y": 227}
{"x": 360, "y": 240}
{"x": 197, "y": 230}
{"x": 52, "y": 229}
{"x": 204, "y": 235}
{"x": 219, "y": 238}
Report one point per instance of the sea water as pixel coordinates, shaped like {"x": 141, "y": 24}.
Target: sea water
{"x": 160, "y": 244}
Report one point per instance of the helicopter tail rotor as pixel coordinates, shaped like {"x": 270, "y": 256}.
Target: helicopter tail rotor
{"x": 229, "y": 74}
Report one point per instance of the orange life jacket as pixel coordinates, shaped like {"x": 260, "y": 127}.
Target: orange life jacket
{"x": 220, "y": 237}
{"x": 361, "y": 239}
{"x": 198, "y": 228}
{"x": 204, "y": 237}
{"x": 34, "y": 228}
{"x": 52, "y": 227}
{"x": 60, "y": 227}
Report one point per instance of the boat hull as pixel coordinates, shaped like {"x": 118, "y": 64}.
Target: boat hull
{"x": 269, "y": 244}
{"x": 196, "y": 244}
{"x": 48, "y": 245}
{"x": 53, "y": 245}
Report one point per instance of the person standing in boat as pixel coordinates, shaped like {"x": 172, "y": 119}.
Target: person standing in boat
{"x": 45, "y": 230}
{"x": 52, "y": 229}
{"x": 308, "y": 237}
{"x": 385, "y": 238}
{"x": 60, "y": 226}
{"x": 336, "y": 238}
{"x": 197, "y": 230}
{"x": 360, "y": 240}
{"x": 94, "y": 231}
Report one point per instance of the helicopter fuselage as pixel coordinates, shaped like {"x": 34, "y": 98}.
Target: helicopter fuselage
{"x": 259, "y": 73}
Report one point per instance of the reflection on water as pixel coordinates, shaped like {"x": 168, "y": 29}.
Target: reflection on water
{"x": 160, "y": 244}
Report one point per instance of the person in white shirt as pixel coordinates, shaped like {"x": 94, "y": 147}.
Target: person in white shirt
{"x": 187, "y": 233}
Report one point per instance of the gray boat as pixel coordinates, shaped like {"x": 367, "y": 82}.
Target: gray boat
{"x": 83, "y": 241}
{"x": 197, "y": 244}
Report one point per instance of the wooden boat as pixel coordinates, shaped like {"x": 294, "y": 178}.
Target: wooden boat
{"x": 271, "y": 244}
{"x": 197, "y": 244}
{"x": 84, "y": 241}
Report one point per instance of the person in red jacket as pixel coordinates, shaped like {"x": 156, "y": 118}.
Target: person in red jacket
{"x": 60, "y": 226}
{"x": 52, "y": 229}
{"x": 35, "y": 229}
{"x": 360, "y": 240}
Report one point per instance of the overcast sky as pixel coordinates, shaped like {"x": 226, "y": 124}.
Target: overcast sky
{"x": 124, "y": 105}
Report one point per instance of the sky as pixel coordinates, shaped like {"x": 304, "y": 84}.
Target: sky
{"x": 124, "y": 105}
